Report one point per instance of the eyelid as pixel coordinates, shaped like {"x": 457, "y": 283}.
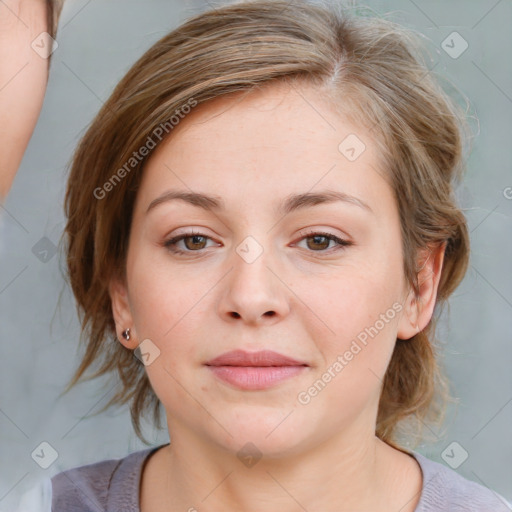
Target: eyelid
{"x": 323, "y": 231}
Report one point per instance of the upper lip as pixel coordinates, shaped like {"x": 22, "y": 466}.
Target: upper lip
{"x": 261, "y": 358}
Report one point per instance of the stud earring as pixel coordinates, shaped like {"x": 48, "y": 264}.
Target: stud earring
{"x": 126, "y": 334}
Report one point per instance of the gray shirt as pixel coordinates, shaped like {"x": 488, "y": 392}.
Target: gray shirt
{"x": 113, "y": 486}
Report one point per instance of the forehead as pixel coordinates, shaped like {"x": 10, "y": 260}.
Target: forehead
{"x": 279, "y": 140}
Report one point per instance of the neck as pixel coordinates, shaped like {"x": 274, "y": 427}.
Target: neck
{"x": 347, "y": 473}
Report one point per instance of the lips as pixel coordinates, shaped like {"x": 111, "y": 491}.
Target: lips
{"x": 260, "y": 359}
{"x": 255, "y": 371}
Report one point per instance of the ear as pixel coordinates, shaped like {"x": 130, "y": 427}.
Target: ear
{"x": 121, "y": 311}
{"x": 418, "y": 310}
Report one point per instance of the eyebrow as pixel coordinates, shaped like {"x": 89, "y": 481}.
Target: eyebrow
{"x": 290, "y": 204}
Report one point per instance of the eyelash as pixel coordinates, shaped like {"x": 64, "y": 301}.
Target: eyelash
{"x": 171, "y": 243}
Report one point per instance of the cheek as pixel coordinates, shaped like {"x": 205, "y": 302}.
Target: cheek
{"x": 355, "y": 360}
{"x": 168, "y": 313}
{"x": 359, "y": 310}
{"x": 162, "y": 302}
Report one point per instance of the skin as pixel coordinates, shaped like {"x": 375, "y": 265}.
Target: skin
{"x": 254, "y": 151}
{"x": 23, "y": 79}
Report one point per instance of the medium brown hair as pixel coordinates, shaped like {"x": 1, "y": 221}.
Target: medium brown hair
{"x": 371, "y": 70}
{"x": 53, "y": 10}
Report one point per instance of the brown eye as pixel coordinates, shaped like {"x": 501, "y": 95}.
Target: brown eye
{"x": 196, "y": 242}
{"x": 193, "y": 242}
{"x": 319, "y": 242}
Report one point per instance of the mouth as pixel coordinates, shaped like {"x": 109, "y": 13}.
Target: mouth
{"x": 255, "y": 370}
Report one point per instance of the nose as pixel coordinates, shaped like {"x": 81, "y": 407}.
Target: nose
{"x": 253, "y": 291}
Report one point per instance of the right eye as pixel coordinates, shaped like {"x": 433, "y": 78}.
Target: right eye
{"x": 194, "y": 242}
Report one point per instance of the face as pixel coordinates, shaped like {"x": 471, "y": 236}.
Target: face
{"x": 320, "y": 281}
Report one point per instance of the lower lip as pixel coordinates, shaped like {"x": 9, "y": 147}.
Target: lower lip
{"x": 255, "y": 377}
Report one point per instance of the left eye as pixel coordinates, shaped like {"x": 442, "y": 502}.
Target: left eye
{"x": 194, "y": 242}
{"x": 324, "y": 239}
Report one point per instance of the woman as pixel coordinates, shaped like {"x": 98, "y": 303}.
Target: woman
{"x": 260, "y": 225}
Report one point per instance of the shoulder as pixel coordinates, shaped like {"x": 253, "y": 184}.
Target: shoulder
{"x": 100, "y": 486}
{"x": 83, "y": 486}
{"x": 446, "y": 490}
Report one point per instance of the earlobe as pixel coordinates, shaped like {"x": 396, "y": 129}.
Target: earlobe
{"x": 121, "y": 311}
{"x": 418, "y": 309}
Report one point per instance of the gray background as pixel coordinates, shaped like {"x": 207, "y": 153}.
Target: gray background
{"x": 98, "y": 42}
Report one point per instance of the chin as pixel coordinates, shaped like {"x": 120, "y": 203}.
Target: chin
{"x": 265, "y": 435}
